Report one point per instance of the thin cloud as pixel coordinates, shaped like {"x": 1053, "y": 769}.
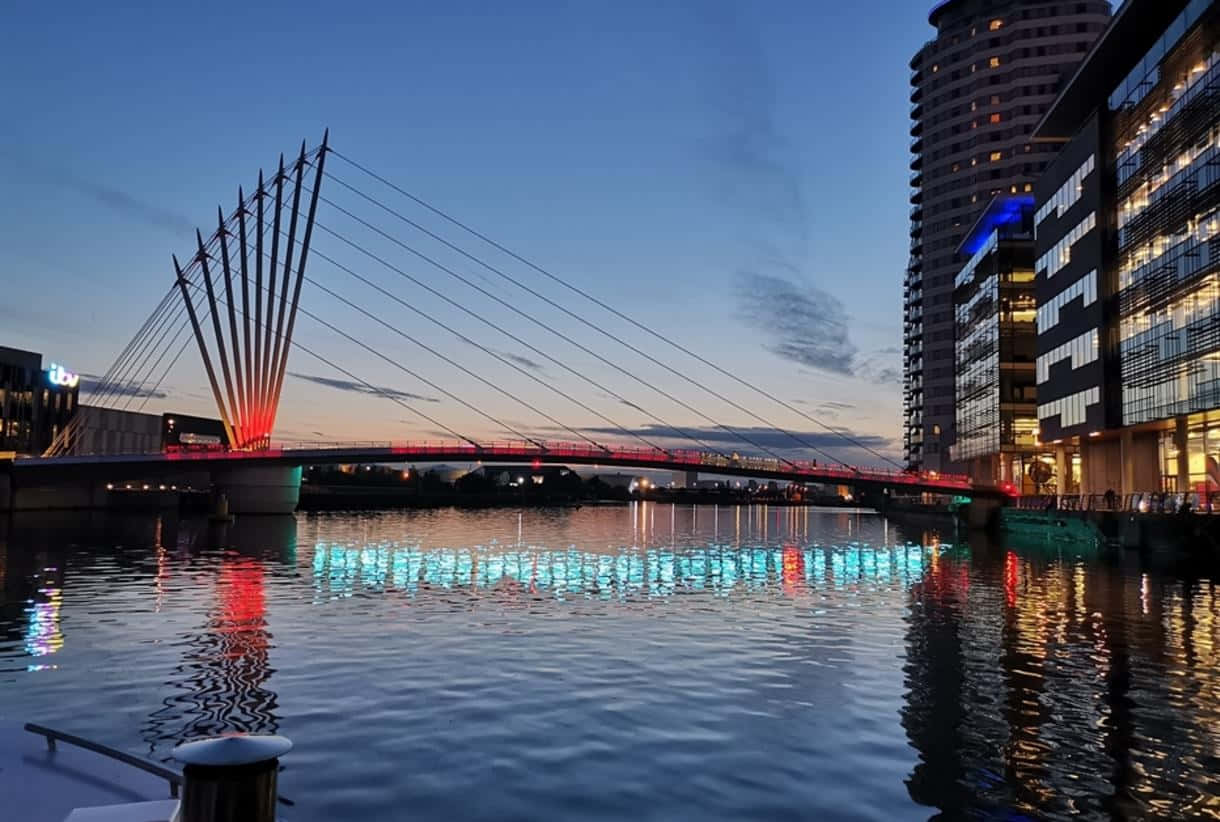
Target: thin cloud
{"x": 360, "y": 388}
{"x": 92, "y": 384}
{"x": 803, "y": 324}
{"x": 126, "y": 204}
{"x": 521, "y": 360}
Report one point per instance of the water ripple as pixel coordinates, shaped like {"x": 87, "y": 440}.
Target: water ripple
{"x": 644, "y": 661}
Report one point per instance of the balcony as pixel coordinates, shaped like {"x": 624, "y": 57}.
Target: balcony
{"x": 916, "y": 179}
{"x": 916, "y": 216}
{"x": 916, "y": 196}
{"x": 917, "y": 228}
{"x": 917, "y": 162}
{"x": 916, "y": 128}
{"x": 917, "y": 111}
{"x": 916, "y": 94}
{"x": 917, "y": 145}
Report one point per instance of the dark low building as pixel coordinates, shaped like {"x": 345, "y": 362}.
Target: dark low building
{"x": 185, "y": 431}
{"x": 35, "y": 403}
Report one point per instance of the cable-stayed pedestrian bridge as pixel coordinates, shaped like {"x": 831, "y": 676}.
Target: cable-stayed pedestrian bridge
{"x": 477, "y": 336}
{"x": 523, "y": 453}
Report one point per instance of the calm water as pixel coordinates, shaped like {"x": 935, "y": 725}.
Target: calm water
{"x": 644, "y": 662}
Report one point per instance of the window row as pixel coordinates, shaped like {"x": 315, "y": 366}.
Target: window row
{"x": 1072, "y": 409}
{"x": 1141, "y": 79}
{"x": 1178, "y": 255}
{"x": 1083, "y": 350}
{"x": 1197, "y": 310}
{"x": 1197, "y": 163}
{"x": 1086, "y": 287}
{"x": 1068, "y": 193}
{"x": 1061, "y": 253}
{"x": 1189, "y": 86}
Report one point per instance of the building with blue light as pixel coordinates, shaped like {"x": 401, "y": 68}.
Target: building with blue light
{"x": 995, "y": 348}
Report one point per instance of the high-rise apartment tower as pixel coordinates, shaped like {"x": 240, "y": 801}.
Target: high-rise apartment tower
{"x": 977, "y": 91}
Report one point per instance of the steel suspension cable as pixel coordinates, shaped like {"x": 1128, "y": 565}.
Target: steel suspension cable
{"x": 539, "y": 323}
{"x": 502, "y": 330}
{"x": 390, "y": 295}
{"x": 453, "y": 363}
{"x": 600, "y": 303}
{"x": 421, "y": 378}
{"x": 377, "y": 389}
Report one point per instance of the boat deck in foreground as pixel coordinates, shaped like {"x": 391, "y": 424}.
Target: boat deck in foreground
{"x": 41, "y": 785}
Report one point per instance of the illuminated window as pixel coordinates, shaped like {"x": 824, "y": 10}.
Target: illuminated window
{"x": 935, "y": 430}
{"x": 1029, "y": 186}
{"x": 995, "y": 99}
{"x": 974, "y": 161}
{"x": 993, "y": 62}
{"x": 995, "y": 25}
{"x": 956, "y": 167}
{"x": 996, "y": 156}
{"x": 935, "y": 68}
{"x": 995, "y": 118}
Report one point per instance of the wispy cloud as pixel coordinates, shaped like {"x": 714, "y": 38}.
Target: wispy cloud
{"x": 756, "y": 166}
{"x": 804, "y": 325}
{"x": 360, "y": 388}
{"x": 92, "y": 384}
{"x": 125, "y": 203}
{"x": 521, "y": 360}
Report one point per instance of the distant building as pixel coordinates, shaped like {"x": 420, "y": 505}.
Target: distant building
{"x": 98, "y": 430}
{"x": 515, "y": 475}
{"x": 977, "y": 90}
{"x": 35, "y": 403}
{"x": 996, "y": 348}
{"x": 185, "y": 431}
{"x": 1128, "y": 244}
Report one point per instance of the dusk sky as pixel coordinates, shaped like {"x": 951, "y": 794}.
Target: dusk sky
{"x": 733, "y": 174}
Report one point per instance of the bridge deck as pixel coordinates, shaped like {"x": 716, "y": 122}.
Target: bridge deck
{"x": 523, "y": 452}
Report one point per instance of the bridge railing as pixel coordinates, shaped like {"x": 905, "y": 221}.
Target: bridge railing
{"x": 654, "y": 458}
{"x": 672, "y": 458}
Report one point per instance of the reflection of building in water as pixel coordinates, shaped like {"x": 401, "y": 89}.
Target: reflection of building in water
{"x": 625, "y": 572}
{"x": 31, "y": 596}
{"x": 1059, "y": 688}
{"x": 224, "y": 667}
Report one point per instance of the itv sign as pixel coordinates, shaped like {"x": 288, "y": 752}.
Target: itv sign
{"x": 58, "y": 375}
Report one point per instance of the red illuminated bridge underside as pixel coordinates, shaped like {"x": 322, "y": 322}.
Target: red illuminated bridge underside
{"x": 551, "y": 453}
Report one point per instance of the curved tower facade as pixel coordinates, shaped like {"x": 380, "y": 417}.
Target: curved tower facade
{"x": 977, "y": 91}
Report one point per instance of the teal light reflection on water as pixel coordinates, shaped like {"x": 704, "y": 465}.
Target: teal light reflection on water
{"x": 342, "y": 571}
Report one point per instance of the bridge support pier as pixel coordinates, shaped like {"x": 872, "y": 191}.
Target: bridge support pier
{"x": 259, "y": 489}
{"x": 981, "y": 513}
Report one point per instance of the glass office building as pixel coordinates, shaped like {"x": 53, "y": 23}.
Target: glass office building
{"x": 35, "y": 403}
{"x": 996, "y": 338}
{"x": 1128, "y": 237}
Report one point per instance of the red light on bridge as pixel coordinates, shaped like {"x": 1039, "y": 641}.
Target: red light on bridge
{"x": 536, "y": 464}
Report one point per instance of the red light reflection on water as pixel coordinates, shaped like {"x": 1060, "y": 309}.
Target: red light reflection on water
{"x": 793, "y": 571}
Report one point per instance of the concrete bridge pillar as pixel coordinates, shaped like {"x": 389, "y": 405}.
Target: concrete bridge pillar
{"x": 259, "y": 489}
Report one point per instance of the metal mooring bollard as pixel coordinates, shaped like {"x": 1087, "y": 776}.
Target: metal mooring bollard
{"x": 230, "y": 778}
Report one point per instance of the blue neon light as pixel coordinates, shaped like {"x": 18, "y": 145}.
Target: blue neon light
{"x": 1001, "y": 212}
